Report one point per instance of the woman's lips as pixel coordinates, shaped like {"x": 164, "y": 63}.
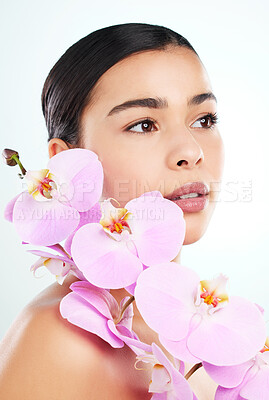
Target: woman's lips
{"x": 190, "y": 187}
{"x": 191, "y": 204}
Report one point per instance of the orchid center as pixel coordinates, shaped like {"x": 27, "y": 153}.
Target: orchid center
{"x": 161, "y": 380}
{"x": 114, "y": 219}
{"x": 213, "y": 292}
{"x": 266, "y": 346}
{"x": 40, "y": 184}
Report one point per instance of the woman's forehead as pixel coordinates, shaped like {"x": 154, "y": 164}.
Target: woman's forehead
{"x": 177, "y": 74}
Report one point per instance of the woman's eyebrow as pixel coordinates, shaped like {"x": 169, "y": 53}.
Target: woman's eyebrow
{"x": 159, "y": 102}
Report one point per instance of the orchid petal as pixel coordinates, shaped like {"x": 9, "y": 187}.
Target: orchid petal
{"x": 80, "y": 176}
{"x": 86, "y": 217}
{"x": 98, "y": 298}
{"x": 160, "y": 379}
{"x": 265, "y": 356}
{"x": 219, "y": 340}
{"x": 165, "y": 377}
{"x": 104, "y": 262}
{"x": 179, "y": 349}
{"x": 66, "y": 164}
{"x": 159, "y": 396}
{"x": 126, "y": 332}
{"x": 45, "y": 254}
{"x": 229, "y": 376}
{"x": 60, "y": 279}
{"x": 59, "y": 266}
{"x": 163, "y": 294}
{"x": 121, "y": 331}
{"x": 43, "y": 223}
{"x": 258, "y": 386}
{"x": 88, "y": 185}
{"x": 131, "y": 288}
{"x": 8, "y": 212}
{"x": 158, "y": 226}
{"x": 39, "y": 263}
{"x": 57, "y": 247}
{"x": 180, "y": 385}
{"x": 56, "y": 267}
{"x": 127, "y": 336}
{"x": 223, "y": 393}
{"x": 228, "y": 394}
{"x": 79, "y": 312}
{"x": 127, "y": 317}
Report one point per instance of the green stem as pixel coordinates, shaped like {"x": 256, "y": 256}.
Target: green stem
{"x": 16, "y": 158}
{"x": 192, "y": 370}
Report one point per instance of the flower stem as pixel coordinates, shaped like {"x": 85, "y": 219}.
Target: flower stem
{"x": 128, "y": 302}
{"x": 192, "y": 370}
{"x": 16, "y": 158}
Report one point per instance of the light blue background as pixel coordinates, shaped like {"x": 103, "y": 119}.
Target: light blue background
{"x": 232, "y": 41}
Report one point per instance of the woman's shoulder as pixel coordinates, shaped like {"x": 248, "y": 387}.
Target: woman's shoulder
{"x": 44, "y": 356}
{"x": 40, "y": 324}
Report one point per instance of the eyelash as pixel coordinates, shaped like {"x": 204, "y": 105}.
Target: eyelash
{"x": 214, "y": 120}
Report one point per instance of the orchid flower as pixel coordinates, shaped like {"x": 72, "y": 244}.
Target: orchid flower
{"x": 96, "y": 310}
{"x": 249, "y": 380}
{"x": 195, "y": 320}
{"x": 112, "y": 253}
{"x": 61, "y": 265}
{"x": 8, "y": 212}
{"x": 86, "y": 217}
{"x": 167, "y": 381}
{"x": 49, "y": 211}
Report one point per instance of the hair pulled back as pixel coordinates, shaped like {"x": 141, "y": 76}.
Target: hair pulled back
{"x": 69, "y": 85}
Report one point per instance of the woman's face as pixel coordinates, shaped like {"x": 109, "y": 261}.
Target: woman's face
{"x": 145, "y": 157}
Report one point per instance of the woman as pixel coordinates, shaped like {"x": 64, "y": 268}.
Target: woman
{"x": 139, "y": 96}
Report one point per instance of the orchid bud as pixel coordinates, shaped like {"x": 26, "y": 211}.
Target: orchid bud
{"x": 7, "y": 156}
{"x": 11, "y": 158}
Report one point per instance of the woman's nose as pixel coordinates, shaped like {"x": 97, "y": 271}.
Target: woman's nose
{"x": 184, "y": 151}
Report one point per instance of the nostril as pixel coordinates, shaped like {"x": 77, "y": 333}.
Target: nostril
{"x": 180, "y": 162}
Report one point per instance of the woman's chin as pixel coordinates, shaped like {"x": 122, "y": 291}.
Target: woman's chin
{"x": 196, "y": 226}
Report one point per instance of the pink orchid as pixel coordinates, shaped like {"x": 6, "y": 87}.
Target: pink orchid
{"x": 61, "y": 265}
{"x": 195, "y": 320}
{"x": 49, "y": 211}
{"x": 86, "y": 217}
{"x": 8, "y": 212}
{"x": 167, "y": 380}
{"x": 249, "y": 380}
{"x": 131, "y": 288}
{"x": 96, "y": 310}
{"x": 111, "y": 253}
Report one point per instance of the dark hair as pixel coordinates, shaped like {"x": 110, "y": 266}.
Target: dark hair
{"x": 69, "y": 85}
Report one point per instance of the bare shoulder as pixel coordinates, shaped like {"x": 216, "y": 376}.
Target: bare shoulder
{"x": 43, "y": 356}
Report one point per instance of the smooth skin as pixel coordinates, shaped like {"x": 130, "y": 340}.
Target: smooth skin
{"x": 44, "y": 356}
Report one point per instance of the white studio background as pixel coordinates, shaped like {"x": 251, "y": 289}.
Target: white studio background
{"x": 231, "y": 38}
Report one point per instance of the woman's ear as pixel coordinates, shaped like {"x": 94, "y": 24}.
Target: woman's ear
{"x": 56, "y": 145}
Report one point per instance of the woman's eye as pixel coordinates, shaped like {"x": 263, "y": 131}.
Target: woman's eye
{"x": 145, "y": 126}
{"x": 207, "y": 121}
